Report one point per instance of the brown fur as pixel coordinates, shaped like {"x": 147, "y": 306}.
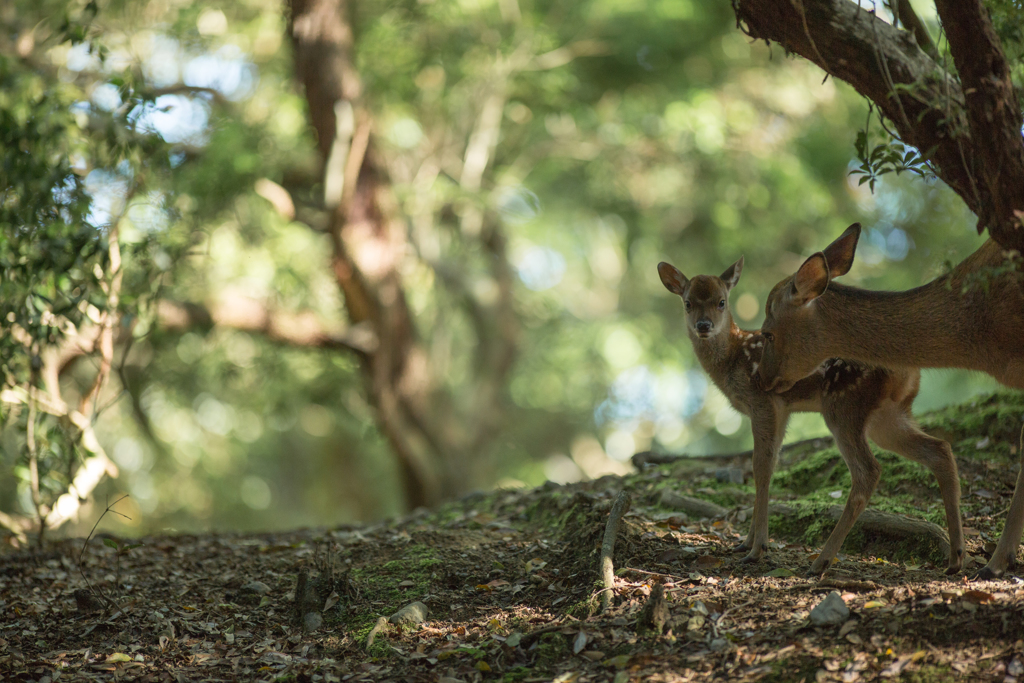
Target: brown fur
{"x": 971, "y": 318}
{"x": 857, "y": 401}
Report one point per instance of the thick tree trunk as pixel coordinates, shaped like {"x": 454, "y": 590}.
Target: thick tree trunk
{"x": 367, "y": 241}
{"x": 974, "y": 142}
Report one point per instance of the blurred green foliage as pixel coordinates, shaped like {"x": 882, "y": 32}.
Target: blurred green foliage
{"x": 631, "y": 133}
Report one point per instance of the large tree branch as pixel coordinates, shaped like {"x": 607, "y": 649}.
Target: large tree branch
{"x": 926, "y": 105}
{"x": 903, "y": 13}
{"x": 249, "y": 315}
{"x": 993, "y": 113}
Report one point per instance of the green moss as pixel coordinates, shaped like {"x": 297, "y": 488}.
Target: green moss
{"x": 378, "y": 584}
{"x": 515, "y": 674}
{"x": 585, "y": 608}
{"x": 380, "y": 649}
{"x": 811, "y": 525}
{"x": 999, "y": 416}
{"x": 929, "y": 673}
{"x": 824, "y": 468}
{"x": 551, "y": 648}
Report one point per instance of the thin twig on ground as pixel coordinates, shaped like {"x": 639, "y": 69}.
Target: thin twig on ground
{"x": 81, "y": 555}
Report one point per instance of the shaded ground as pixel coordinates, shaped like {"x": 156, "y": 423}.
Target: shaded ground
{"x": 510, "y": 579}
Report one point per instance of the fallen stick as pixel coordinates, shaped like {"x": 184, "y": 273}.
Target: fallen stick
{"x": 611, "y": 531}
{"x": 652, "y": 458}
{"x": 846, "y": 585}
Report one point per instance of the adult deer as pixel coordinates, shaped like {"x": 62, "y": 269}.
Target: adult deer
{"x": 970, "y": 318}
{"x": 857, "y": 401}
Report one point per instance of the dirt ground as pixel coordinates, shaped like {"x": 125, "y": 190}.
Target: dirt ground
{"x": 511, "y": 584}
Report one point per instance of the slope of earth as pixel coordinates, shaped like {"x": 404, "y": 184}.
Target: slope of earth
{"x": 511, "y": 586}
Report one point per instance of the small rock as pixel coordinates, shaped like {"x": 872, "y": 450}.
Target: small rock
{"x": 415, "y": 613}
{"x": 830, "y": 611}
{"x": 718, "y": 644}
{"x": 1015, "y": 668}
{"x": 249, "y": 594}
{"x": 257, "y": 587}
{"x": 311, "y": 621}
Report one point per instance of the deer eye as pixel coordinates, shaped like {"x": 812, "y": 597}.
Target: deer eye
{"x": 721, "y": 305}
{"x": 687, "y": 304}
{"x": 768, "y": 336}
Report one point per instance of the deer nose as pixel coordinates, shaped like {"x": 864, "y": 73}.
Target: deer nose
{"x": 703, "y": 326}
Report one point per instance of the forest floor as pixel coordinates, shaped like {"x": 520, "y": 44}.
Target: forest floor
{"x": 511, "y": 586}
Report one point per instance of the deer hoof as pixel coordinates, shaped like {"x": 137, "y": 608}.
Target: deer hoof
{"x": 952, "y": 570}
{"x": 817, "y": 569}
{"x": 986, "y": 573}
{"x": 751, "y": 558}
{"x": 741, "y": 548}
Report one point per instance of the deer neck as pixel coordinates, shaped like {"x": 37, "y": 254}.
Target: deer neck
{"x": 717, "y": 354}
{"x": 917, "y": 327}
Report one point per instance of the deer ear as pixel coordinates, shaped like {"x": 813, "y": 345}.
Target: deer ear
{"x": 732, "y": 274}
{"x": 811, "y": 280}
{"x": 839, "y": 254}
{"x": 673, "y": 280}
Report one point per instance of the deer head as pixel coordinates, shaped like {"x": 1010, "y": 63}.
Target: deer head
{"x": 791, "y": 330}
{"x": 705, "y": 297}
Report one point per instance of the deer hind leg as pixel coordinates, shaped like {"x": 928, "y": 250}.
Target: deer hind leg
{"x": 848, "y": 429}
{"x": 769, "y": 425}
{"x": 1005, "y": 555}
{"x": 893, "y": 428}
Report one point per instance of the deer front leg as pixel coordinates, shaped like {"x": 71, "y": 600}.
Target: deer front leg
{"x": 768, "y": 423}
{"x": 864, "y": 472}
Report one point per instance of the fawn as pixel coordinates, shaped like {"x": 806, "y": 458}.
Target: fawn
{"x": 856, "y": 401}
{"x": 970, "y": 318}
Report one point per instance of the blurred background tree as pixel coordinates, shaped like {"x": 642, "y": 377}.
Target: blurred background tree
{"x": 354, "y": 257}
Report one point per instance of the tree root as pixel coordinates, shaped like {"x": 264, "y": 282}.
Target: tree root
{"x": 692, "y": 506}
{"x": 652, "y": 458}
{"x": 875, "y": 521}
{"x": 898, "y": 525}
